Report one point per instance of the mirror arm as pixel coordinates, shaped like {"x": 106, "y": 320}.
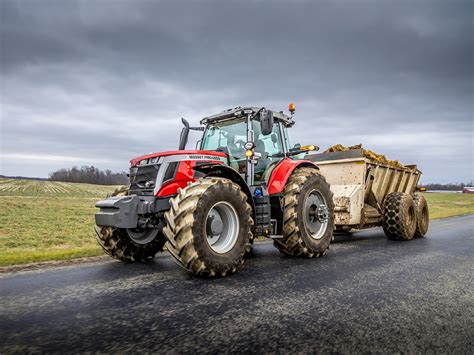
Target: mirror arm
{"x": 295, "y": 152}
{"x": 257, "y": 113}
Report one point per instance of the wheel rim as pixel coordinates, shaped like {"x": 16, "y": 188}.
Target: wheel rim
{"x": 316, "y": 214}
{"x": 142, "y": 236}
{"x": 222, "y": 227}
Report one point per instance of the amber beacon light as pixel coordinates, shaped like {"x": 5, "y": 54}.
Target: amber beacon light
{"x": 292, "y": 107}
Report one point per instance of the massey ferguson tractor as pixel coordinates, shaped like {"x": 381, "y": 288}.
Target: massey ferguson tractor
{"x": 207, "y": 206}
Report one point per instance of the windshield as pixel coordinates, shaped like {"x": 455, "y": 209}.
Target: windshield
{"x": 231, "y": 136}
{"x": 224, "y": 135}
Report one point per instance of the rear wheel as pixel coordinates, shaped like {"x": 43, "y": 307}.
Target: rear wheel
{"x": 308, "y": 217}
{"x": 399, "y": 216}
{"x": 422, "y": 216}
{"x": 129, "y": 244}
{"x": 209, "y": 227}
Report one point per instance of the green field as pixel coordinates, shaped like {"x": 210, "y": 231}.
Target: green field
{"x": 43, "y": 220}
{"x": 443, "y": 205}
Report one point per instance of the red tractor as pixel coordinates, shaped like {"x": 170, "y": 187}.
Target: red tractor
{"x": 207, "y": 206}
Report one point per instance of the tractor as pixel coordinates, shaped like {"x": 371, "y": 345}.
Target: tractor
{"x": 207, "y": 206}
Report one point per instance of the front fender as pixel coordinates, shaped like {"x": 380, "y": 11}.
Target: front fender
{"x": 219, "y": 170}
{"x": 224, "y": 171}
{"x": 282, "y": 172}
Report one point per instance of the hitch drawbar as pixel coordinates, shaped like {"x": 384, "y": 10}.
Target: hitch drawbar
{"x": 124, "y": 211}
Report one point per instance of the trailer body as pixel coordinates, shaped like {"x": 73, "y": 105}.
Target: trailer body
{"x": 360, "y": 186}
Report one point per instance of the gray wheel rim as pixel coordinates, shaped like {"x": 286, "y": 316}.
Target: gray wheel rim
{"x": 142, "y": 236}
{"x": 222, "y": 227}
{"x": 316, "y": 214}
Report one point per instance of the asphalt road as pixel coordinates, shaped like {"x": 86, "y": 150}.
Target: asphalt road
{"x": 366, "y": 294}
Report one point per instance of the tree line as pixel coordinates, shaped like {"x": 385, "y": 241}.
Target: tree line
{"x": 89, "y": 175}
{"x": 448, "y": 187}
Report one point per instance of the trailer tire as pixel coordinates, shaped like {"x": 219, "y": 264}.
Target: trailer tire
{"x": 399, "y": 216}
{"x": 193, "y": 241}
{"x": 117, "y": 243}
{"x": 301, "y": 218}
{"x": 422, "y": 216}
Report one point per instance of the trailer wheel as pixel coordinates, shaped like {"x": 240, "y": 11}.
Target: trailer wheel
{"x": 422, "y": 216}
{"x": 399, "y": 216}
{"x": 209, "y": 227}
{"x": 129, "y": 245}
{"x": 308, "y": 217}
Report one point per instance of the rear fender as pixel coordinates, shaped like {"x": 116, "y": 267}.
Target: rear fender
{"x": 282, "y": 172}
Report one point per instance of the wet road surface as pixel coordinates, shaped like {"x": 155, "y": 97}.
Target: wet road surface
{"x": 366, "y": 294}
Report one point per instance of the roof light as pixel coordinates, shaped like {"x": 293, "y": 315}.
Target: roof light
{"x": 292, "y": 107}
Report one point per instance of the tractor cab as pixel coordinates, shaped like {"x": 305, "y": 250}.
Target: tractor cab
{"x": 253, "y": 139}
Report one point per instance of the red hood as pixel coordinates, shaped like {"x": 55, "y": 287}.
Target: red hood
{"x": 134, "y": 161}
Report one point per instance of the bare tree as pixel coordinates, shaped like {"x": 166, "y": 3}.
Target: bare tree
{"x": 90, "y": 175}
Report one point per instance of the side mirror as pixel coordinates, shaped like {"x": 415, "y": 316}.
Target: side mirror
{"x": 299, "y": 149}
{"x": 266, "y": 122}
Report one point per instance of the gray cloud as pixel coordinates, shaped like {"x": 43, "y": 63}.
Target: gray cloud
{"x": 87, "y": 82}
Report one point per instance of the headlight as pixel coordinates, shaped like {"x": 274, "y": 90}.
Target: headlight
{"x": 248, "y": 145}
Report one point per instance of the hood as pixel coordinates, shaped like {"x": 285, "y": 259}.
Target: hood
{"x": 194, "y": 153}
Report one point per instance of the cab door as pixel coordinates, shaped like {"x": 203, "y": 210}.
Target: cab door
{"x": 272, "y": 149}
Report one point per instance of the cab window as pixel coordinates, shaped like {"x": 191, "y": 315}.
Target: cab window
{"x": 228, "y": 137}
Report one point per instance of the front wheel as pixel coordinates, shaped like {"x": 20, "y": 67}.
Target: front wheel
{"x": 209, "y": 227}
{"x": 308, "y": 217}
{"x": 129, "y": 245}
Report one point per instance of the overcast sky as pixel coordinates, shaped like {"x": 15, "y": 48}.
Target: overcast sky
{"x": 99, "y": 82}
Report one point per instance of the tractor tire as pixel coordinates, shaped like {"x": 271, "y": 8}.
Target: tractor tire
{"x": 399, "y": 216}
{"x": 117, "y": 242}
{"x": 209, "y": 227}
{"x": 308, "y": 216}
{"x": 422, "y": 216}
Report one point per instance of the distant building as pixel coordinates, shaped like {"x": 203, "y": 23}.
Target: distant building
{"x": 468, "y": 190}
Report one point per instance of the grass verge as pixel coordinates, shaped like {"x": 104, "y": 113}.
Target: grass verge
{"x": 442, "y": 205}
{"x": 45, "y": 221}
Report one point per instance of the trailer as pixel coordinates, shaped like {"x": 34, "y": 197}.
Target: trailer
{"x": 366, "y": 192}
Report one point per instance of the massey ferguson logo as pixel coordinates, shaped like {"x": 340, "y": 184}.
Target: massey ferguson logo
{"x": 204, "y": 157}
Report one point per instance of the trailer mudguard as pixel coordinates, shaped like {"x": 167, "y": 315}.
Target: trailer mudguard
{"x": 282, "y": 172}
